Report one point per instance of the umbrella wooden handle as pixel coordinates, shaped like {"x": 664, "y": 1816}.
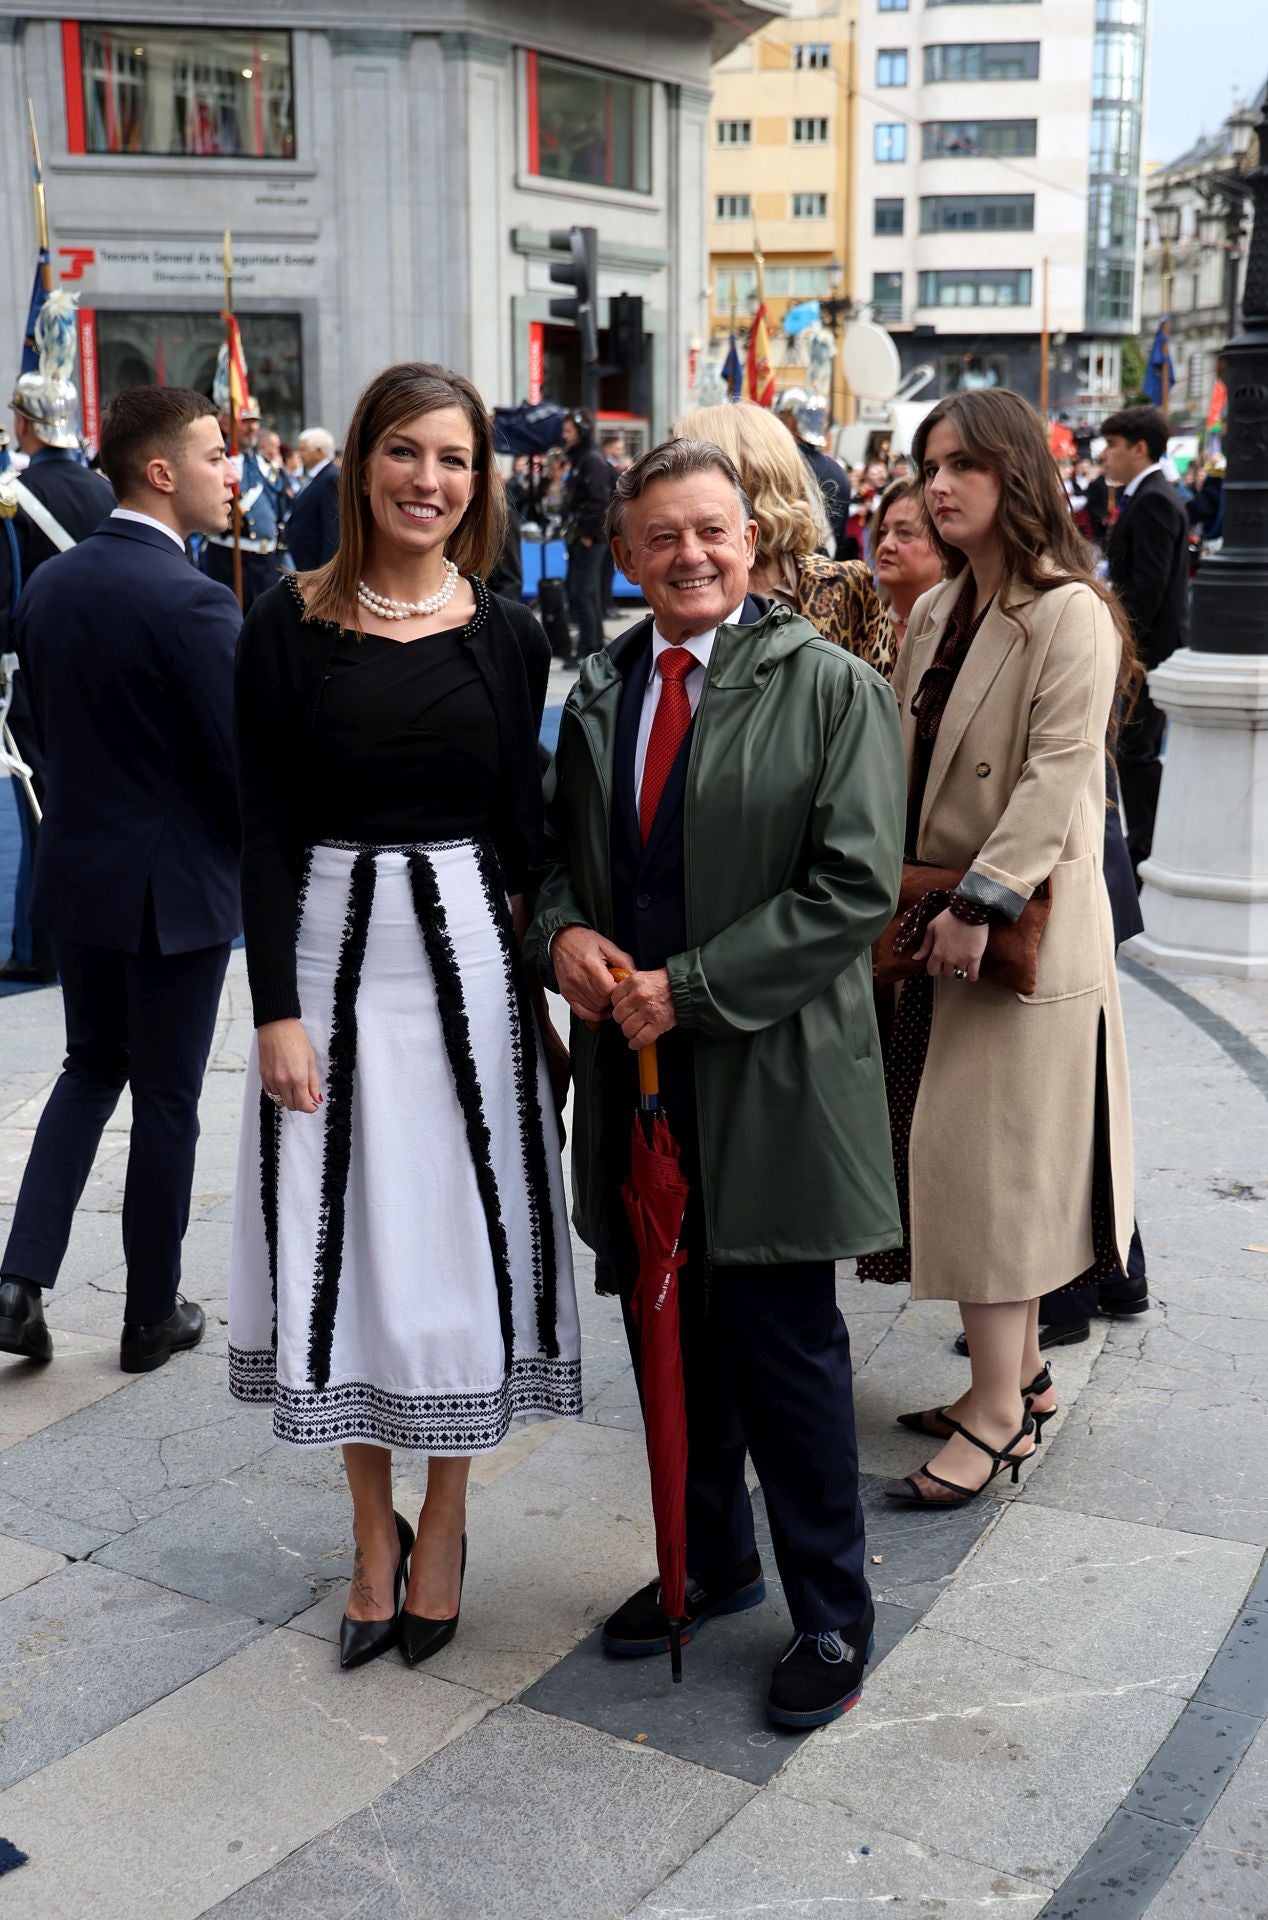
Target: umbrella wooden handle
{"x": 648, "y": 1064}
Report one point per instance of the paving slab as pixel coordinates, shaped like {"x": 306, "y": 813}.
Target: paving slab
{"x": 717, "y": 1717}
{"x": 36, "y": 1394}
{"x": 267, "y": 1538}
{"x": 1193, "y": 1765}
{"x": 781, "y": 1856}
{"x": 1072, "y": 1592}
{"x": 1225, "y": 1871}
{"x": 21, "y": 1565}
{"x": 997, "y": 1760}
{"x": 1121, "y": 1872}
{"x": 246, "y": 1763}
{"x": 1238, "y": 1675}
{"x": 347, "y": 1874}
{"x": 86, "y": 1648}
{"x": 554, "y": 1545}
{"x": 130, "y": 1456}
{"x": 523, "y": 1815}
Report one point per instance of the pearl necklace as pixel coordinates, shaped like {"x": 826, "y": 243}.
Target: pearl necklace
{"x": 386, "y": 609}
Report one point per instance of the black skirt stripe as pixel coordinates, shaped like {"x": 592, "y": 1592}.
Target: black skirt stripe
{"x": 432, "y": 920}
{"x": 270, "y": 1144}
{"x": 337, "y": 1146}
{"x": 532, "y": 1132}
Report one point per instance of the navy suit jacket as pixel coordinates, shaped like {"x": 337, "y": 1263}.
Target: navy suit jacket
{"x": 312, "y": 528}
{"x": 128, "y": 652}
{"x": 1148, "y": 555}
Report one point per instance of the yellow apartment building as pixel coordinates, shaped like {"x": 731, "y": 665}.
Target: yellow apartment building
{"x": 778, "y": 167}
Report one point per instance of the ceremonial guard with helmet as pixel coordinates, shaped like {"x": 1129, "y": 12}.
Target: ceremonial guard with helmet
{"x": 261, "y": 510}
{"x": 49, "y": 507}
{"x": 806, "y": 417}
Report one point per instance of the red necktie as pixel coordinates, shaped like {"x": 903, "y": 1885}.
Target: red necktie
{"x": 669, "y": 730}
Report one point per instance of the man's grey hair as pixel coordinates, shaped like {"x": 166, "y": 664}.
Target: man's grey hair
{"x": 319, "y": 438}
{"x": 672, "y": 460}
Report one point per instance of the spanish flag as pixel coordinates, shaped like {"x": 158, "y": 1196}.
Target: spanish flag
{"x": 759, "y": 384}
{"x": 237, "y": 366}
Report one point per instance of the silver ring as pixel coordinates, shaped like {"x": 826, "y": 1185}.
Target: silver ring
{"x": 959, "y": 973}
{"x": 277, "y": 1099}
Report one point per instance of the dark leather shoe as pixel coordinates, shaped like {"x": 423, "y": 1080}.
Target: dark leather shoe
{"x": 1072, "y": 1334}
{"x": 22, "y": 1328}
{"x": 821, "y": 1675}
{"x": 421, "y": 1637}
{"x": 19, "y": 973}
{"x": 362, "y": 1640}
{"x": 1118, "y": 1298}
{"x": 640, "y": 1627}
{"x": 141, "y": 1349}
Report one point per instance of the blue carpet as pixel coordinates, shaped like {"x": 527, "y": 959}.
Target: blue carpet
{"x": 549, "y": 735}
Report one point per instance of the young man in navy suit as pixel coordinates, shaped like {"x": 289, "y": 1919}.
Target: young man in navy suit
{"x": 128, "y": 651}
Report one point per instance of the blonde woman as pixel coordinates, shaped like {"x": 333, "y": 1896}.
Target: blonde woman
{"x": 835, "y": 596}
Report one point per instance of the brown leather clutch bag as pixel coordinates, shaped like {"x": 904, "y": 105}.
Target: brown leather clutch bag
{"x": 1012, "y": 950}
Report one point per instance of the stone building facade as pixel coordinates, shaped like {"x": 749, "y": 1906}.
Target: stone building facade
{"x": 391, "y": 176}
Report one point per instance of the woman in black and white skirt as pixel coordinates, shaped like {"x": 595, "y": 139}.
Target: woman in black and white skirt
{"x": 401, "y": 1272}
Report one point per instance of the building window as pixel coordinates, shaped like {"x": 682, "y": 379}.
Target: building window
{"x": 734, "y": 287}
{"x": 890, "y": 143}
{"x": 976, "y": 287}
{"x": 970, "y": 372}
{"x": 179, "y": 349}
{"x": 1120, "y": 13}
{"x": 1117, "y": 64}
{"x": 891, "y": 6}
{"x": 731, "y": 206}
{"x": 887, "y": 216}
{"x": 977, "y": 213}
{"x": 983, "y": 60}
{"x": 891, "y": 67}
{"x": 588, "y": 126}
{"x": 962, "y": 3}
{"x": 811, "y": 131}
{"x": 735, "y": 133}
{"x": 1110, "y": 289}
{"x": 1112, "y": 216}
{"x": 222, "y": 93}
{"x": 1115, "y": 142}
{"x": 812, "y": 53}
{"x": 978, "y": 139}
{"x": 887, "y": 296}
{"x": 810, "y": 206}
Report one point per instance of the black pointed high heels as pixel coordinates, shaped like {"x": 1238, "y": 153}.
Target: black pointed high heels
{"x": 420, "y": 1637}
{"x": 362, "y": 1640}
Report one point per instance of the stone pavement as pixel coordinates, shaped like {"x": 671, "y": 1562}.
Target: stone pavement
{"x": 1067, "y": 1713}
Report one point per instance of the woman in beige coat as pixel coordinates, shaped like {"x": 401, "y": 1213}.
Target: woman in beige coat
{"x": 1011, "y": 1114}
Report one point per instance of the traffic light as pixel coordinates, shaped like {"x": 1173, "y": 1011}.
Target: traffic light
{"x": 625, "y": 331}
{"x": 581, "y": 272}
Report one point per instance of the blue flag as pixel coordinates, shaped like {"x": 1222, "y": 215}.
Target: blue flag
{"x": 1160, "y": 358}
{"x": 30, "y": 355}
{"x": 733, "y": 371}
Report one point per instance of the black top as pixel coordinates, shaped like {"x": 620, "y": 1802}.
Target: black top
{"x": 589, "y": 489}
{"x": 407, "y": 740}
{"x": 283, "y": 664}
{"x": 929, "y": 702}
{"x": 1148, "y": 554}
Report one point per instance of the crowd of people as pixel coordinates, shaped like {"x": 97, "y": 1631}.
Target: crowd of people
{"x": 836, "y": 831}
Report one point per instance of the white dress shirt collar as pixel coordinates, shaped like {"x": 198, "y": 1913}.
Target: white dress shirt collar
{"x": 147, "y": 520}
{"x": 1144, "y": 474}
{"x": 700, "y": 644}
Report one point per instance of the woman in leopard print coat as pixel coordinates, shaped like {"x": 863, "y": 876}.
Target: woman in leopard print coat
{"x": 836, "y": 596}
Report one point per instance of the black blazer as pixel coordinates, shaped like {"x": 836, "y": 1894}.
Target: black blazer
{"x": 312, "y": 526}
{"x": 128, "y": 652}
{"x": 78, "y": 500}
{"x": 1148, "y": 556}
{"x": 283, "y": 661}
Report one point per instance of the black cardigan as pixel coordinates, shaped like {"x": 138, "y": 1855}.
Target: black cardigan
{"x": 282, "y": 664}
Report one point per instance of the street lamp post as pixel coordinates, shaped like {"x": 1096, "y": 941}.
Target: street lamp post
{"x": 1205, "y": 897}
{"x": 1167, "y": 216}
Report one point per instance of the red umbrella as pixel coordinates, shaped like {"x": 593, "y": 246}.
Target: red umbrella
{"x": 655, "y": 1195}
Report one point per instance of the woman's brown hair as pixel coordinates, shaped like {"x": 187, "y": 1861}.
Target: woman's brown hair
{"x": 394, "y": 396}
{"x": 1042, "y": 547}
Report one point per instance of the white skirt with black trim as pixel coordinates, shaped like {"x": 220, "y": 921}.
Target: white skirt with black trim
{"x": 401, "y": 1272}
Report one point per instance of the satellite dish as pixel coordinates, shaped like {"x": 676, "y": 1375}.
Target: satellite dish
{"x": 869, "y": 361}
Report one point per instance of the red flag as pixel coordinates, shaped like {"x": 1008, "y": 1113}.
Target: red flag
{"x": 1219, "y": 404}
{"x": 759, "y": 383}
